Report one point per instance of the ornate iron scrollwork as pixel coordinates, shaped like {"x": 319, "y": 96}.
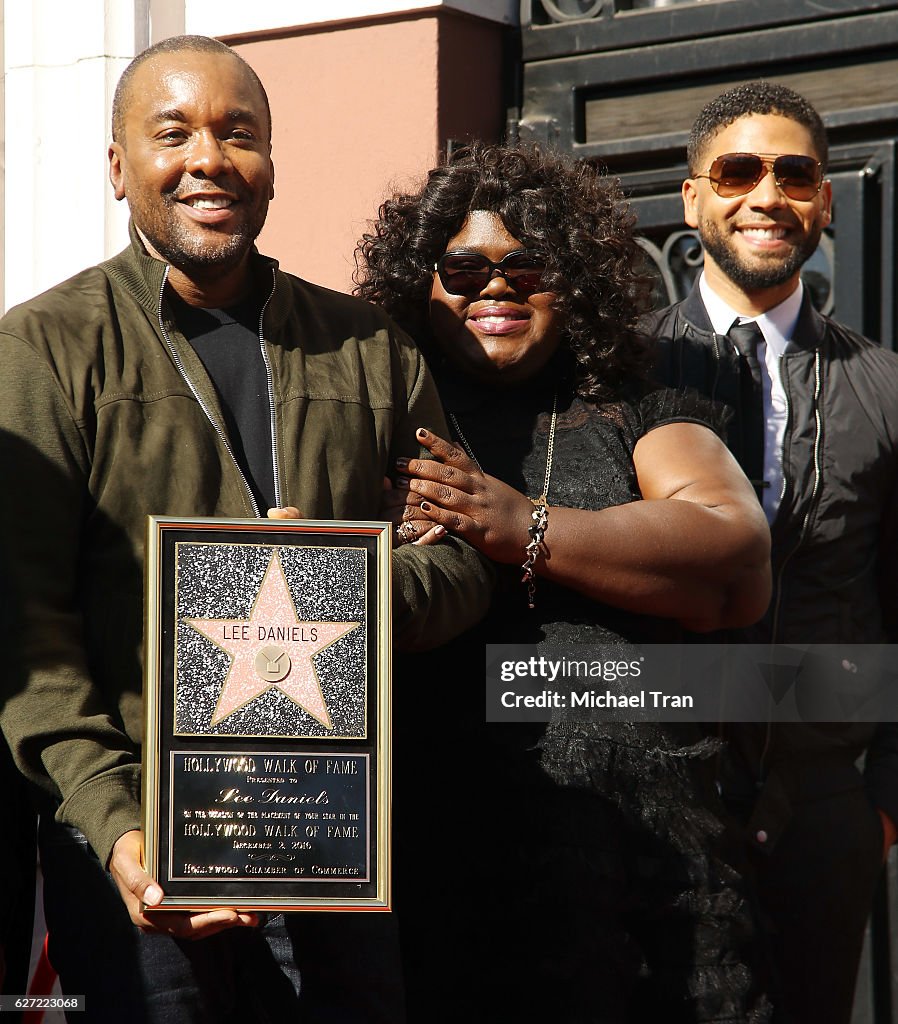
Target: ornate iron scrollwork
{"x": 673, "y": 265}
{"x": 562, "y": 11}
{"x": 572, "y": 10}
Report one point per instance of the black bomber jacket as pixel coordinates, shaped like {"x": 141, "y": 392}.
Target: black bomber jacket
{"x": 835, "y": 535}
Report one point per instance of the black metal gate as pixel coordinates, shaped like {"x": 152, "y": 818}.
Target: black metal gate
{"x": 620, "y": 82}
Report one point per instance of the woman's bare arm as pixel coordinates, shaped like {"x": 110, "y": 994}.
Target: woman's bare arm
{"x": 696, "y": 549}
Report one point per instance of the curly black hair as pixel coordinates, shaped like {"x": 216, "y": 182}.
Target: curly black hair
{"x": 562, "y": 207}
{"x": 753, "y": 98}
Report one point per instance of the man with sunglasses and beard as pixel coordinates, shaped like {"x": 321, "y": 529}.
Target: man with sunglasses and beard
{"x": 815, "y": 428}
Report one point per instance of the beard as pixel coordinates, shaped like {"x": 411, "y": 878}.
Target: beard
{"x": 196, "y": 251}
{"x": 184, "y": 250}
{"x": 758, "y": 276}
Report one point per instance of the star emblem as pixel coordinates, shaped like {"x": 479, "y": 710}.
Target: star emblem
{"x": 272, "y": 648}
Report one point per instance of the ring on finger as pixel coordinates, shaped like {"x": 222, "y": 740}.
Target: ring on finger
{"x": 406, "y": 533}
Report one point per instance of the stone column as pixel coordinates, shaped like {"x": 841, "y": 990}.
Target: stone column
{"x": 61, "y": 65}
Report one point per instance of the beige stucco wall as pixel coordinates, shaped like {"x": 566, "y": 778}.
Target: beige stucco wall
{"x": 358, "y": 109}
{"x": 358, "y": 102}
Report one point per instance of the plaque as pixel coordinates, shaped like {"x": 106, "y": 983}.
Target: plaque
{"x": 266, "y": 765}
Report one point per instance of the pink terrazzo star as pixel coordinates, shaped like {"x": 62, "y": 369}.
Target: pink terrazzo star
{"x": 272, "y": 648}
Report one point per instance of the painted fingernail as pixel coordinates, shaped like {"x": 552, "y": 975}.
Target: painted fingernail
{"x": 402, "y": 482}
{"x": 425, "y": 506}
{"x": 422, "y": 433}
{"x": 402, "y": 463}
{"x": 439, "y": 530}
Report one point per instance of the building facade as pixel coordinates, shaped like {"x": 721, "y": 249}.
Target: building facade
{"x": 364, "y": 95}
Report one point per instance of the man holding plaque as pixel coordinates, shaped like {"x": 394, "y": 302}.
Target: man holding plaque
{"x": 188, "y": 376}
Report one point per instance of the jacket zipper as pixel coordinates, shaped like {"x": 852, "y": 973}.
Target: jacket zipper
{"x": 721, "y": 726}
{"x": 269, "y": 376}
{"x": 202, "y": 402}
{"x": 818, "y": 387}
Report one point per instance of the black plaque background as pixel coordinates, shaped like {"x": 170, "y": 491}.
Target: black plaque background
{"x": 263, "y": 891}
{"x": 191, "y": 790}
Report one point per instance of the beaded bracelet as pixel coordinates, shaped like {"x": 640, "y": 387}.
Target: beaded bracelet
{"x": 537, "y": 532}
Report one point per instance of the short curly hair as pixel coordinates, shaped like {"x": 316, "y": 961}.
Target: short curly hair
{"x": 564, "y": 208}
{"x": 754, "y": 98}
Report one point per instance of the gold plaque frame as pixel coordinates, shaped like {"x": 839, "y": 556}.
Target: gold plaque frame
{"x": 267, "y": 702}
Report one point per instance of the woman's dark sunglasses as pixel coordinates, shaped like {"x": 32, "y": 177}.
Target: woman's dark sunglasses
{"x": 468, "y": 273}
{"x": 736, "y": 174}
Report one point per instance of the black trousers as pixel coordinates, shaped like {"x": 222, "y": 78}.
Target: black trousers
{"x": 814, "y": 892}
{"x": 18, "y": 856}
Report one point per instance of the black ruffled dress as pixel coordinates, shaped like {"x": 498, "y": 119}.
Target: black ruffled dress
{"x": 580, "y": 883}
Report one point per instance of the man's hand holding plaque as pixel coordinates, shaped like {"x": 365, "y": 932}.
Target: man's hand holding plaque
{"x": 138, "y": 889}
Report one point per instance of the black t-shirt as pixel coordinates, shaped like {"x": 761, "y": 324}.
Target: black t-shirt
{"x": 227, "y": 343}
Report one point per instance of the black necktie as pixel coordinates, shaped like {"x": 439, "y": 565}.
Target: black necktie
{"x": 751, "y": 389}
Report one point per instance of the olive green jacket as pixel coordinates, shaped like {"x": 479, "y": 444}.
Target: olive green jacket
{"x": 106, "y": 416}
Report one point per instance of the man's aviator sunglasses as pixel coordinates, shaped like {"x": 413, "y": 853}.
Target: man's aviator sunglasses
{"x": 468, "y": 273}
{"x": 737, "y": 174}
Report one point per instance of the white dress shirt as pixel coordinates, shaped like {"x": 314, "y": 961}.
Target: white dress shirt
{"x": 777, "y": 326}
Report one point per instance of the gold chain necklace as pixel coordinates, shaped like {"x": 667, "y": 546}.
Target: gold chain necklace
{"x": 464, "y": 442}
{"x": 550, "y": 451}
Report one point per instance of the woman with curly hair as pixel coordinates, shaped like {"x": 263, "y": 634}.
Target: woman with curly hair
{"x": 583, "y": 859}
